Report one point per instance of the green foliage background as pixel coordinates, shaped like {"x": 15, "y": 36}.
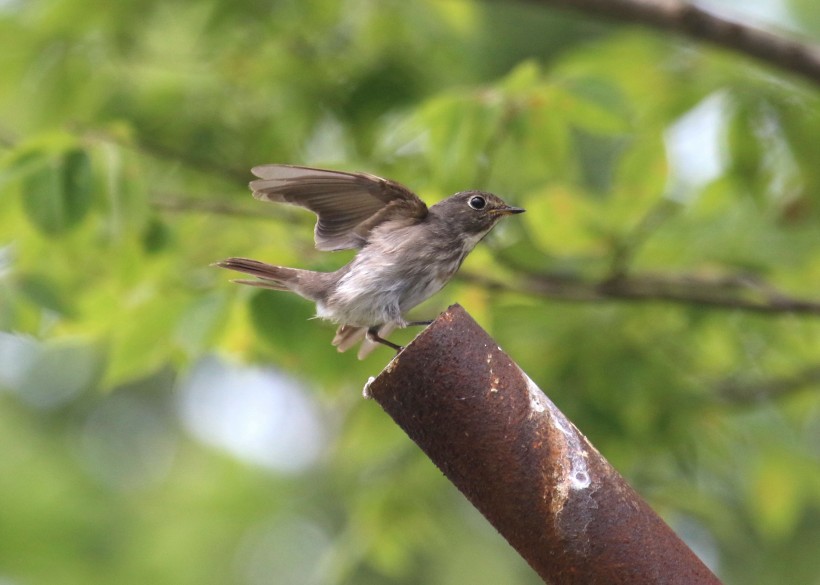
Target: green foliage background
{"x": 126, "y": 133}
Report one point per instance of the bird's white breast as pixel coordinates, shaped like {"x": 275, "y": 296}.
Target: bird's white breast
{"x": 391, "y": 275}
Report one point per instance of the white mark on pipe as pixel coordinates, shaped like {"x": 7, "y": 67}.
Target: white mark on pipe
{"x": 366, "y": 389}
{"x": 576, "y": 475}
{"x": 495, "y": 382}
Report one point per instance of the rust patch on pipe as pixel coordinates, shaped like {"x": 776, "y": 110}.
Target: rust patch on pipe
{"x": 524, "y": 465}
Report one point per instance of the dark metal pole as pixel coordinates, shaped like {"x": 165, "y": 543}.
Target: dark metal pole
{"x": 524, "y": 465}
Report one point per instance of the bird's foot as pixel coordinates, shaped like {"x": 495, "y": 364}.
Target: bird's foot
{"x": 373, "y": 335}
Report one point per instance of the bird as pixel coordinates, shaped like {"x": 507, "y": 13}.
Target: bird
{"x": 406, "y": 251}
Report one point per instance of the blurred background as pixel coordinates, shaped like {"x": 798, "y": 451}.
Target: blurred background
{"x": 160, "y": 424}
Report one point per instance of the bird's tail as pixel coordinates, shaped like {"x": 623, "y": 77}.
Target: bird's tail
{"x": 268, "y": 275}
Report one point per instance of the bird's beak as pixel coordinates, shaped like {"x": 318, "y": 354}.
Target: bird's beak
{"x": 507, "y": 210}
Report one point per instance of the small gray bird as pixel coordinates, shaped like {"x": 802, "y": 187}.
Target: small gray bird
{"x": 407, "y": 252}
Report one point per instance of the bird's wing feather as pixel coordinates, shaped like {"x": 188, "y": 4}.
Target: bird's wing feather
{"x": 349, "y": 205}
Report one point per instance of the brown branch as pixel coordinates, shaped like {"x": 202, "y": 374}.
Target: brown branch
{"x": 175, "y": 204}
{"x": 741, "y": 292}
{"x": 158, "y": 151}
{"x": 744, "y": 293}
{"x": 183, "y": 204}
{"x": 743, "y": 393}
{"x": 689, "y": 20}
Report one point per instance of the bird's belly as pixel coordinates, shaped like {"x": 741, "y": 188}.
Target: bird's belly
{"x": 382, "y": 293}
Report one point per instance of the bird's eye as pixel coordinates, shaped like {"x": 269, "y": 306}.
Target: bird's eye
{"x": 477, "y": 202}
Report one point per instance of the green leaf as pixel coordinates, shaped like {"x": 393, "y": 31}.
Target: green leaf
{"x": 44, "y": 293}
{"x": 775, "y": 496}
{"x": 156, "y": 236}
{"x": 141, "y": 340}
{"x": 282, "y": 319}
{"x": 43, "y": 199}
{"x": 200, "y": 321}
{"x": 598, "y": 155}
{"x": 745, "y": 149}
{"x": 57, "y": 194}
{"x": 78, "y": 185}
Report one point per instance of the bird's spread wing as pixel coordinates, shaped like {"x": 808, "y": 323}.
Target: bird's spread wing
{"x": 349, "y": 205}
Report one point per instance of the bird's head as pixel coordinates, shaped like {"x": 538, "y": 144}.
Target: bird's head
{"x": 473, "y": 212}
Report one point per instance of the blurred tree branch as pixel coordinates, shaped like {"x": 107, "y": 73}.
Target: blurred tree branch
{"x": 689, "y": 20}
{"x": 745, "y": 292}
{"x": 740, "y": 392}
{"x": 180, "y": 204}
{"x": 142, "y": 144}
{"x": 742, "y": 292}
{"x": 170, "y": 203}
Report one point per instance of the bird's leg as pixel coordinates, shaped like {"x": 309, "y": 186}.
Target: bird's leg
{"x": 373, "y": 335}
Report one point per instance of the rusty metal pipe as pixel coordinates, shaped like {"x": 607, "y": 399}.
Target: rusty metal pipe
{"x": 524, "y": 465}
